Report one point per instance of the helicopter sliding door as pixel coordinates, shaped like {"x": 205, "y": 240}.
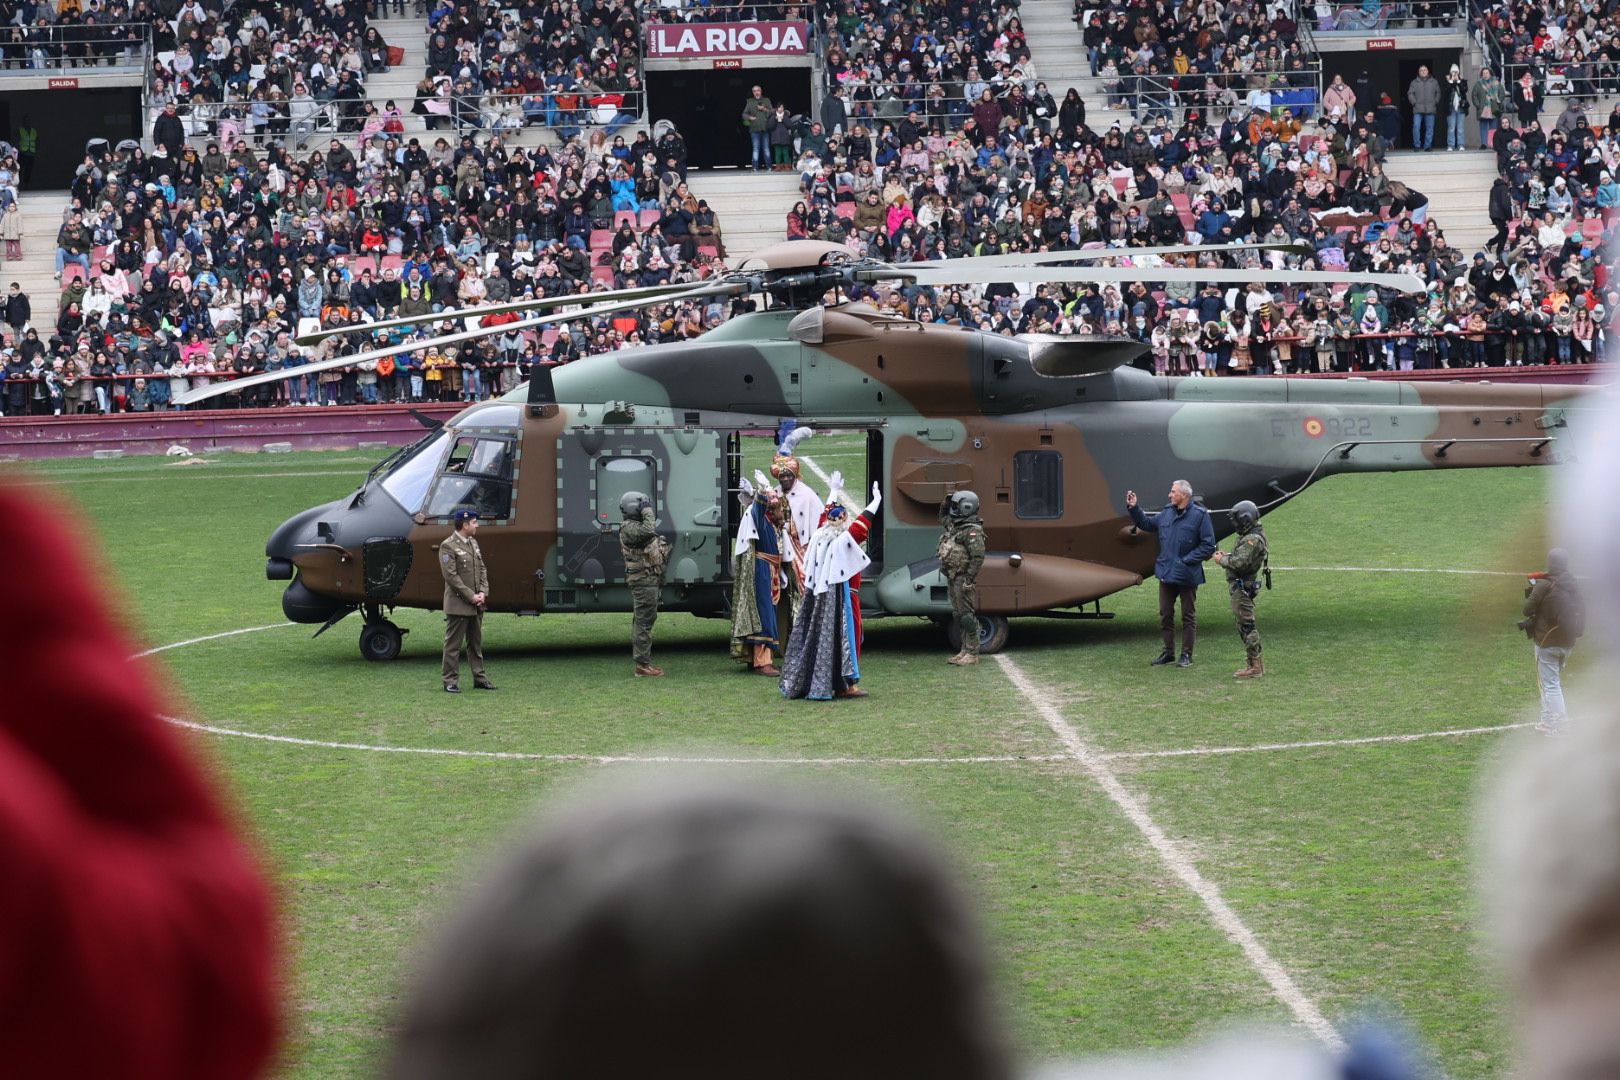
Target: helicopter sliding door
{"x": 854, "y": 453}
{"x": 683, "y": 472}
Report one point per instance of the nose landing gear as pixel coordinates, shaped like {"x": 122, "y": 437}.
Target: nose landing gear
{"x": 380, "y": 639}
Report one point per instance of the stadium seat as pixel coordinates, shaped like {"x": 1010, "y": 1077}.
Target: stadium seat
{"x": 709, "y": 250}
{"x": 1592, "y": 228}
{"x": 601, "y": 239}
{"x": 392, "y": 262}
{"x": 603, "y": 274}
{"x": 623, "y": 217}
{"x": 649, "y": 218}
{"x": 845, "y": 210}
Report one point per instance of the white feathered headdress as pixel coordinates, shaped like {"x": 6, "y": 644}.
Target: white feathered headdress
{"x": 785, "y": 463}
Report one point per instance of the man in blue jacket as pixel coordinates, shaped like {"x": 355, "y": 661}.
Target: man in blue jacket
{"x": 1186, "y": 539}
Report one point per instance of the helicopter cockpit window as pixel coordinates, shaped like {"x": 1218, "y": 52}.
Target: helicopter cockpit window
{"x": 408, "y": 478}
{"x": 1038, "y": 484}
{"x": 478, "y": 475}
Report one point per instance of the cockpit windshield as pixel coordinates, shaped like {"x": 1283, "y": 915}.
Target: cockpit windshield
{"x": 408, "y": 476}
{"x": 477, "y": 476}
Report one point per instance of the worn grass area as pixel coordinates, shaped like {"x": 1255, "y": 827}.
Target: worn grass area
{"x": 1348, "y": 863}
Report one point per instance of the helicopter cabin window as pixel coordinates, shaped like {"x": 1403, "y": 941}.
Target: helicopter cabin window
{"x": 618, "y": 476}
{"x": 477, "y": 475}
{"x": 410, "y": 471}
{"x": 1038, "y": 484}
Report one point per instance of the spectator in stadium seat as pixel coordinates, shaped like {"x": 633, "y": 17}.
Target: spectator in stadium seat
{"x": 73, "y": 244}
{"x": 168, "y": 131}
{"x": 851, "y": 926}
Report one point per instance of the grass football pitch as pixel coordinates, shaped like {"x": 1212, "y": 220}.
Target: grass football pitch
{"x": 1349, "y": 862}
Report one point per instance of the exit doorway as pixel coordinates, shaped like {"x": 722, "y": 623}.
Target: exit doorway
{"x": 706, "y": 107}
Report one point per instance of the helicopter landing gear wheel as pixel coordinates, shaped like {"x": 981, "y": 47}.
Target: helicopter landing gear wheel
{"x": 381, "y": 640}
{"x": 993, "y": 633}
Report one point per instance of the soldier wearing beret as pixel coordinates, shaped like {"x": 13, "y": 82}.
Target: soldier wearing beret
{"x": 466, "y": 593}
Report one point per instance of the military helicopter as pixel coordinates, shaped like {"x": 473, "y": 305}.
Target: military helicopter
{"x": 1049, "y": 431}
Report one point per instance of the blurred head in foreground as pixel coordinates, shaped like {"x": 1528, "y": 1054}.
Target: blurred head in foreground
{"x": 708, "y": 927}
{"x": 1553, "y": 875}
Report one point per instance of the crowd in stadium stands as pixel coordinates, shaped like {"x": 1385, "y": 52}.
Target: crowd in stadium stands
{"x": 500, "y": 68}
{"x": 251, "y": 70}
{"x": 206, "y": 265}
{"x": 1202, "y": 164}
{"x": 1570, "y": 48}
{"x": 936, "y": 139}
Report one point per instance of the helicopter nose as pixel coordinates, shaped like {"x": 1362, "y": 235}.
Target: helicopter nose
{"x": 303, "y": 605}
{"x": 316, "y": 525}
{"x": 300, "y": 529}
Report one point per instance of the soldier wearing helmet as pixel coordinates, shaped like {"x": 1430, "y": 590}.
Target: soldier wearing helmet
{"x": 645, "y": 554}
{"x": 1244, "y": 565}
{"x": 961, "y": 553}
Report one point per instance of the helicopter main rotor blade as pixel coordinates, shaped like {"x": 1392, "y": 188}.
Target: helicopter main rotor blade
{"x": 265, "y": 378}
{"x": 1043, "y": 258}
{"x": 651, "y": 292}
{"x": 1407, "y": 283}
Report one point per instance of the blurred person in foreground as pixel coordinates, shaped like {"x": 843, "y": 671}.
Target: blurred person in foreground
{"x": 706, "y": 927}
{"x": 137, "y": 935}
{"x": 1552, "y": 875}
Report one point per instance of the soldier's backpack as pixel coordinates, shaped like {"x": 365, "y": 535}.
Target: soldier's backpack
{"x": 657, "y": 554}
{"x": 1566, "y": 610}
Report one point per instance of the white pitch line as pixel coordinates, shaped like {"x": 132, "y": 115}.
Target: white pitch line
{"x": 607, "y": 759}
{"x": 209, "y": 637}
{"x": 825, "y": 479}
{"x": 1313, "y": 744}
{"x": 1282, "y": 984}
{"x": 1398, "y": 570}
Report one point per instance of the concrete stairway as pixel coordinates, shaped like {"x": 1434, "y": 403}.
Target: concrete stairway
{"x": 1458, "y": 186}
{"x": 398, "y": 84}
{"x": 752, "y": 207}
{"x": 1058, "y": 51}
{"x": 36, "y": 271}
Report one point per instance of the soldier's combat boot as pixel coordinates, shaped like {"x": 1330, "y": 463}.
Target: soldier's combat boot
{"x": 1166, "y": 657}
{"x": 957, "y": 659}
{"x": 966, "y": 660}
{"x": 1256, "y": 668}
{"x": 648, "y": 671}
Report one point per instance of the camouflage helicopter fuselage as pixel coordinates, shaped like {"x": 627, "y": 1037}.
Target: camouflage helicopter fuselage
{"x": 1050, "y": 432}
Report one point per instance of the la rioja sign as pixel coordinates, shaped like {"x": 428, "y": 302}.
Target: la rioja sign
{"x": 705, "y": 41}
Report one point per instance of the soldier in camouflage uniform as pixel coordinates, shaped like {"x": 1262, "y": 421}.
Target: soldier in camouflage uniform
{"x": 645, "y": 554}
{"x": 1243, "y": 565}
{"x": 961, "y": 553}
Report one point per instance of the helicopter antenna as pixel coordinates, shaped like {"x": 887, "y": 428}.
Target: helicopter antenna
{"x": 542, "y": 399}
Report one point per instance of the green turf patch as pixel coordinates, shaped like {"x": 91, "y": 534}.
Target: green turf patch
{"x": 1347, "y": 862}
